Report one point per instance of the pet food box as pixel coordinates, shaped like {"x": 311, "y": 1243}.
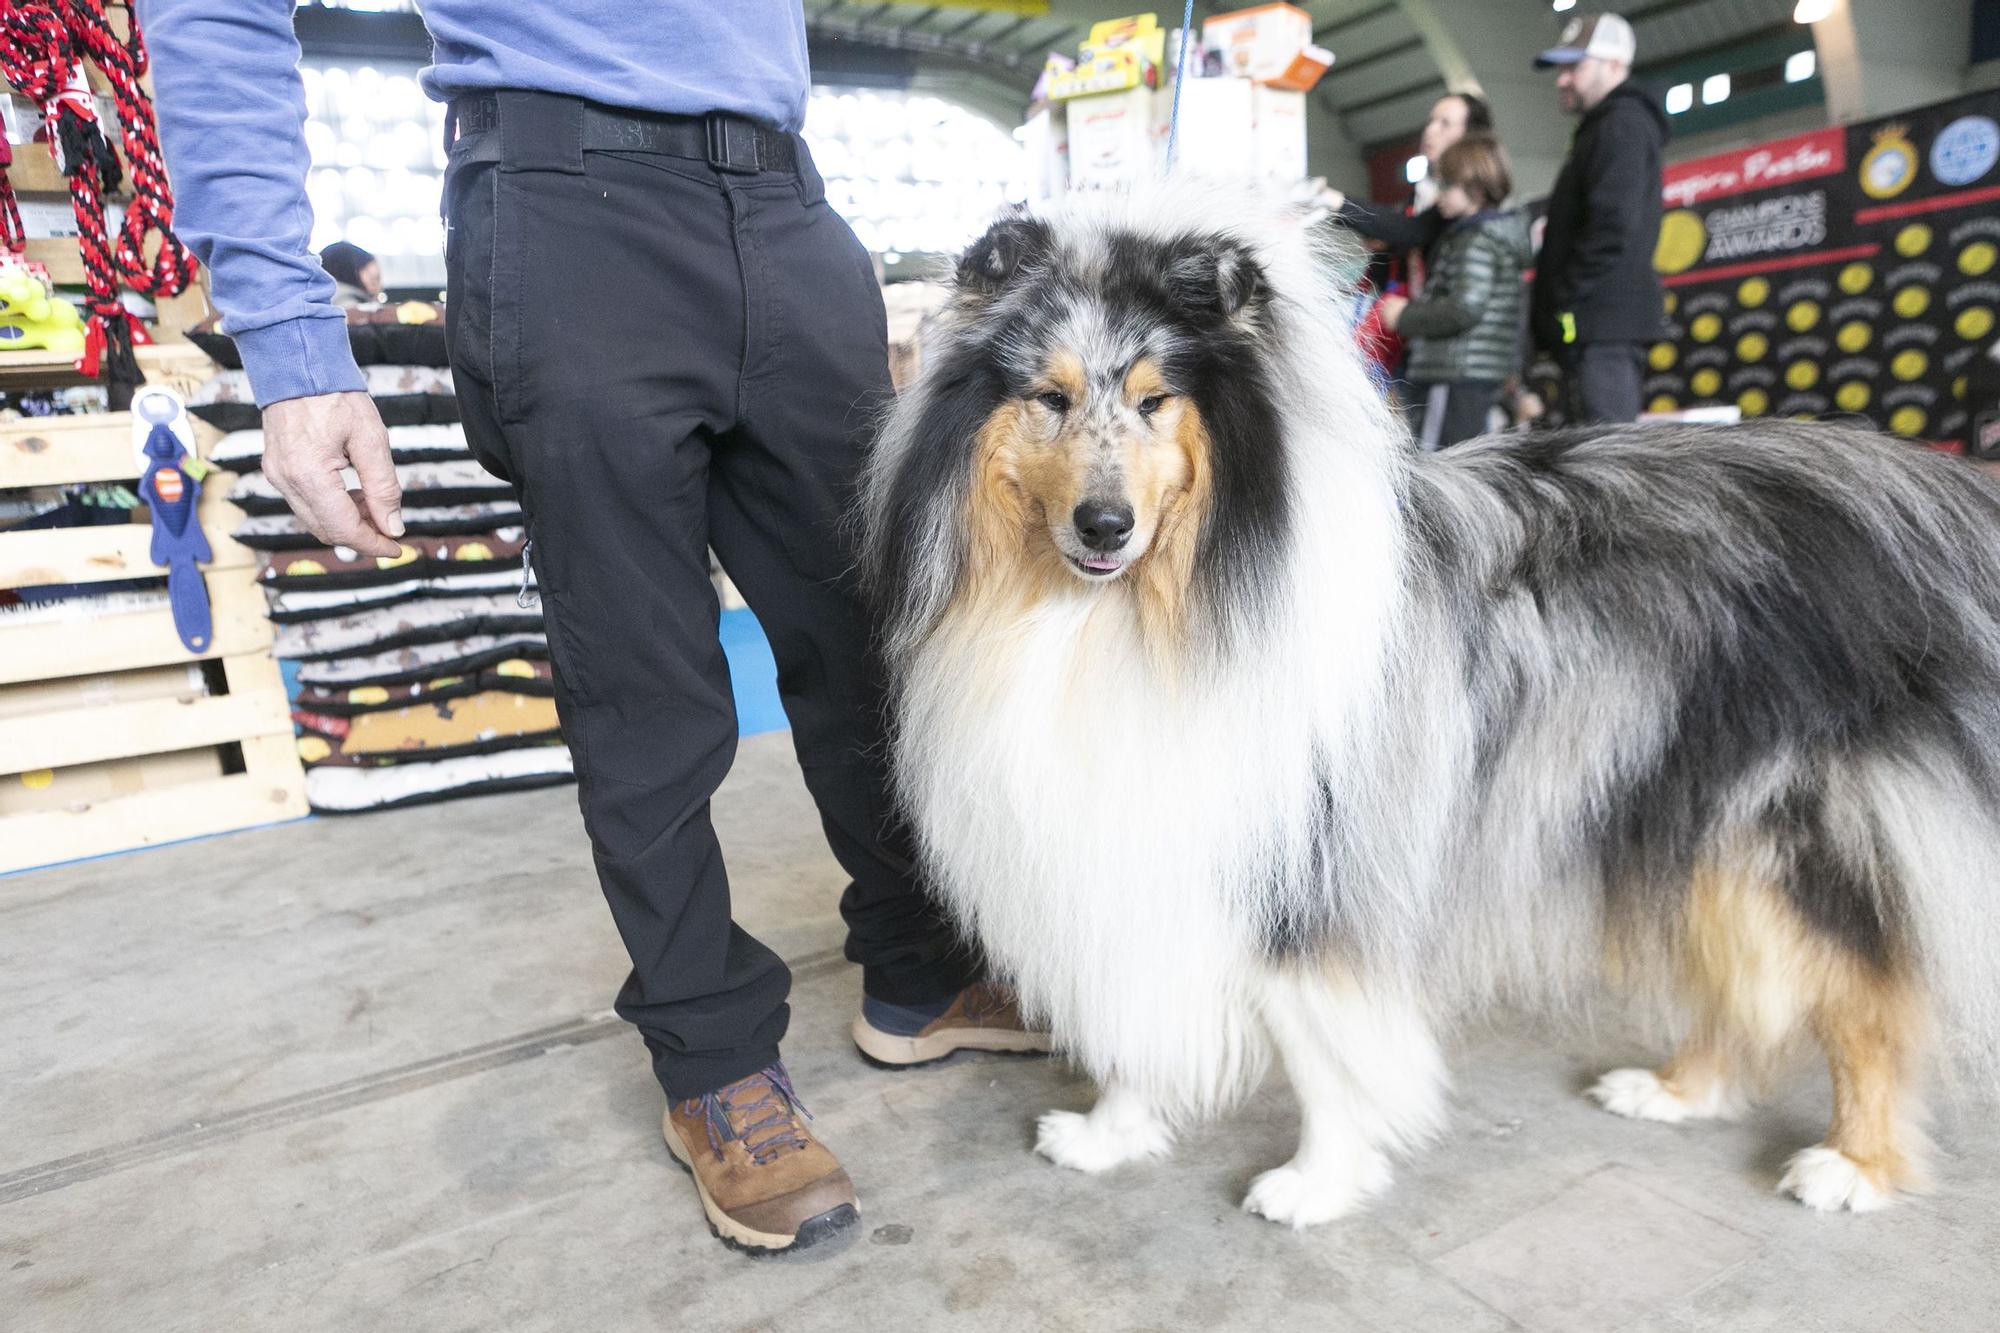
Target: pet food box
{"x": 1239, "y": 129}
{"x": 1112, "y": 140}
{"x": 1269, "y": 44}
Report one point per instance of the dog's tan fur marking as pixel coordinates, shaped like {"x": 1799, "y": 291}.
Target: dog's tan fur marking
{"x": 1759, "y": 974}
{"x": 1031, "y": 467}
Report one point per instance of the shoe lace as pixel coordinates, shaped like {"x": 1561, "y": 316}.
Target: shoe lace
{"x": 986, "y": 999}
{"x": 762, "y": 1110}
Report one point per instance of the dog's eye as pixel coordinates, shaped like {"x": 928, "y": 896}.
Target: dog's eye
{"x": 1054, "y": 401}
{"x": 1151, "y": 404}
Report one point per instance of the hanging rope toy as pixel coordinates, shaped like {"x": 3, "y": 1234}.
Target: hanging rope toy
{"x": 12, "y": 236}
{"x": 42, "y": 48}
{"x": 123, "y": 63}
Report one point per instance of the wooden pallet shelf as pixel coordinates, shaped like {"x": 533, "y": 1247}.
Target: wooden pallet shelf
{"x": 103, "y": 704}
{"x": 176, "y": 363}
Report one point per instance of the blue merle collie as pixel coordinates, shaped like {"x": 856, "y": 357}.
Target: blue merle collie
{"x": 1228, "y": 722}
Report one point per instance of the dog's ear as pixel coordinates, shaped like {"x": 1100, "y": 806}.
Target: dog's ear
{"x": 1214, "y": 276}
{"x": 995, "y": 259}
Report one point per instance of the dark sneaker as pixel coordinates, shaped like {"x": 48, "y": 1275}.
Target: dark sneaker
{"x": 766, "y": 1183}
{"x": 985, "y": 1016}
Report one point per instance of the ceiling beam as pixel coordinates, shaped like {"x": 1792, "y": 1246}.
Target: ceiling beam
{"x": 1352, "y": 20}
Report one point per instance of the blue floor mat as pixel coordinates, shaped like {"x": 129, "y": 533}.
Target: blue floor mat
{"x": 753, "y": 674}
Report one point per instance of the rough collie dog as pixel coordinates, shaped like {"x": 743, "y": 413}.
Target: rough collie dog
{"x": 1228, "y": 722}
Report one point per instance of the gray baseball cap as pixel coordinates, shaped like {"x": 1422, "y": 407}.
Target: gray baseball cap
{"x": 1603, "y": 35}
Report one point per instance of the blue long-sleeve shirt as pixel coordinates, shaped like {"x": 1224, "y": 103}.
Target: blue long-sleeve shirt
{"x": 232, "y": 116}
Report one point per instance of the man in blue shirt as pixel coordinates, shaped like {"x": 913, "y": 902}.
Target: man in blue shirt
{"x": 664, "y": 337}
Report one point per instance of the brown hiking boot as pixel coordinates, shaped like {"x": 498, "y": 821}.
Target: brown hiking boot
{"x": 985, "y": 1016}
{"x": 765, "y": 1182}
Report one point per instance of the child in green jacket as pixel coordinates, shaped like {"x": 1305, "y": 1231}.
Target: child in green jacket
{"x": 1465, "y": 329}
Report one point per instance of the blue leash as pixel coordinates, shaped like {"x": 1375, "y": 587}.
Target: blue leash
{"x": 1180, "y": 78}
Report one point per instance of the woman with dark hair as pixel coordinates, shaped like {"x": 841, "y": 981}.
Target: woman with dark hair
{"x": 1409, "y": 234}
{"x": 1417, "y": 226}
{"x": 357, "y": 275}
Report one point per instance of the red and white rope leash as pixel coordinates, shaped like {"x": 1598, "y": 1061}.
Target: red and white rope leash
{"x": 43, "y": 44}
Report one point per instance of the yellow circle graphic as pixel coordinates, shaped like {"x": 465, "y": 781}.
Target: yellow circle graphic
{"x": 1855, "y": 278}
{"x": 1958, "y": 388}
{"x": 1913, "y": 240}
{"x": 1977, "y": 258}
{"x": 1907, "y": 420}
{"x": 473, "y": 551}
{"x": 1706, "y": 382}
{"x": 1662, "y": 356}
{"x": 1673, "y": 302}
{"x": 1682, "y": 239}
{"x": 1752, "y": 346}
{"x": 1754, "y": 402}
{"x": 35, "y": 779}
{"x": 1909, "y": 364}
{"x": 1705, "y": 327}
{"x": 1974, "y": 322}
{"x": 1911, "y": 302}
{"x": 1851, "y": 396}
{"x": 1802, "y": 316}
{"x": 1801, "y": 375}
{"x": 1753, "y": 291}
{"x": 404, "y": 555}
{"x": 312, "y": 749}
{"x": 1663, "y": 403}
{"x": 303, "y": 567}
{"x": 368, "y": 694}
{"x": 515, "y": 666}
{"x": 1853, "y": 336}
{"x": 1889, "y": 166}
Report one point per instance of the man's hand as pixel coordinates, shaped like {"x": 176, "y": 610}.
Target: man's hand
{"x": 307, "y": 441}
{"x": 1392, "y": 313}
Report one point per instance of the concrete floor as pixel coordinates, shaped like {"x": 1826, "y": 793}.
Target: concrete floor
{"x": 359, "y": 1074}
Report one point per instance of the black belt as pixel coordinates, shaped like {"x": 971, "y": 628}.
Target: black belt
{"x": 725, "y": 142}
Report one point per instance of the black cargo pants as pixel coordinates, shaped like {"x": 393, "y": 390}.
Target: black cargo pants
{"x": 664, "y": 356}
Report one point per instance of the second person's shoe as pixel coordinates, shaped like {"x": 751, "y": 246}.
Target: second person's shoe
{"x": 985, "y": 1016}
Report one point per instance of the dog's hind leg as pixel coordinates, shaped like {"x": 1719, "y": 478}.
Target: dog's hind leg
{"x": 1370, "y": 1082}
{"x": 1872, "y": 1026}
{"x": 1122, "y": 1127}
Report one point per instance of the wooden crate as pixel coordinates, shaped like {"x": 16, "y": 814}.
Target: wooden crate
{"x": 63, "y": 702}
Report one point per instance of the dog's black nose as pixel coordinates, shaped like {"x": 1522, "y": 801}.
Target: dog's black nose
{"x": 1103, "y": 527}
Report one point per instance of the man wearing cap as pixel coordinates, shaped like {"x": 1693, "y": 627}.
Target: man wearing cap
{"x": 1596, "y": 300}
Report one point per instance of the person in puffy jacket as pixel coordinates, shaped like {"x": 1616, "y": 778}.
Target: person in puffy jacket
{"x": 1464, "y": 332}
{"x": 1597, "y": 301}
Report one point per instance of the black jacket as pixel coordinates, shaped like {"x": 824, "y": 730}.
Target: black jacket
{"x": 1604, "y": 220}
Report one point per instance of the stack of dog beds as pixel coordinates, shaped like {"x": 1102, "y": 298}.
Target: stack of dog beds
{"x": 421, "y": 676}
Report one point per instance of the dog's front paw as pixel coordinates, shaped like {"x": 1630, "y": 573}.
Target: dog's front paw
{"x": 1638, "y": 1094}
{"x": 1829, "y": 1180}
{"x": 1301, "y": 1198}
{"x": 1092, "y": 1144}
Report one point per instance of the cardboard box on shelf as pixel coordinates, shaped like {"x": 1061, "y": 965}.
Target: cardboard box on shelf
{"x": 1277, "y": 133}
{"x": 1112, "y": 140}
{"x": 1045, "y": 136}
{"x": 1270, "y": 44}
{"x": 1119, "y": 54}
{"x": 1215, "y": 138}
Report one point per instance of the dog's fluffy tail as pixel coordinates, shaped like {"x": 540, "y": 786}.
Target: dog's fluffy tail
{"x": 1941, "y": 837}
